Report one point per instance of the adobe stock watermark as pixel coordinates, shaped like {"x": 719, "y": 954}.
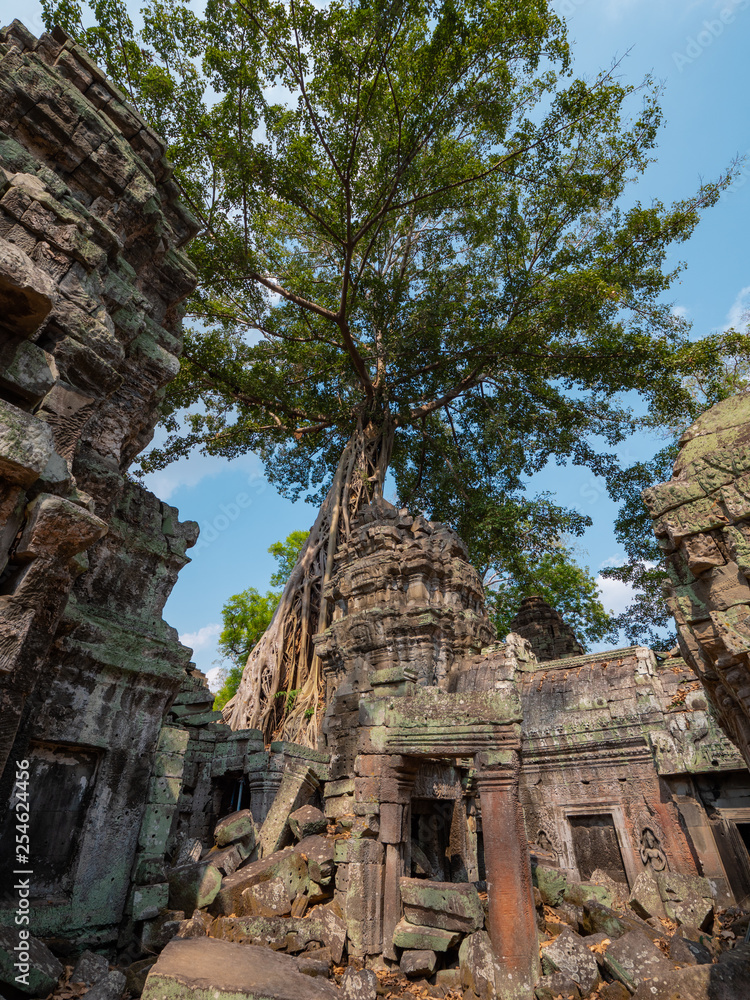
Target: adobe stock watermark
{"x": 229, "y": 513}
{"x": 712, "y": 29}
{"x": 22, "y": 876}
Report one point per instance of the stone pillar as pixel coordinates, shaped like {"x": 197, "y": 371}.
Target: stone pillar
{"x": 512, "y": 923}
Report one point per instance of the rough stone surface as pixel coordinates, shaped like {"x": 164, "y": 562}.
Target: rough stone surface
{"x": 317, "y": 962}
{"x": 633, "y": 958}
{"x": 701, "y": 982}
{"x": 645, "y": 899}
{"x": 237, "y": 826}
{"x": 267, "y": 899}
{"x": 203, "y": 969}
{"x": 569, "y": 955}
{"x": 307, "y": 821}
{"x": 687, "y": 900}
{"x": 407, "y": 935}
{"x": 418, "y": 963}
{"x": 551, "y": 638}
{"x": 43, "y": 970}
{"x": 111, "y": 987}
{"x": 555, "y": 986}
{"x": 92, "y": 274}
{"x": 700, "y": 520}
{"x": 193, "y": 887}
{"x": 286, "y": 864}
{"x": 476, "y": 960}
{"x": 452, "y": 906}
{"x": 359, "y": 984}
{"x": 89, "y": 968}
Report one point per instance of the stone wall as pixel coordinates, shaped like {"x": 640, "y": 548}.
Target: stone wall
{"x": 702, "y": 522}
{"x": 615, "y": 748}
{"x": 91, "y": 276}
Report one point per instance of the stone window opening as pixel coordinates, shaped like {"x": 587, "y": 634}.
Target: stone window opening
{"x": 596, "y": 846}
{"x": 61, "y": 783}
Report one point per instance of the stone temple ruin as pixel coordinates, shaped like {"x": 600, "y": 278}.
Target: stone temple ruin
{"x": 510, "y": 819}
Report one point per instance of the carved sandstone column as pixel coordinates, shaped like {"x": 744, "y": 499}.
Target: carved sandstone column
{"x": 512, "y": 924}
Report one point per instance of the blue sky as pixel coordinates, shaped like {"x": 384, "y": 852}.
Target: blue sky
{"x": 698, "y": 49}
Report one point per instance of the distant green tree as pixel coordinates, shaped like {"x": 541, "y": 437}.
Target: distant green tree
{"x": 564, "y": 584}
{"x": 247, "y": 615}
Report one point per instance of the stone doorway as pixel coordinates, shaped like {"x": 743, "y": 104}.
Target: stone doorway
{"x": 596, "y": 846}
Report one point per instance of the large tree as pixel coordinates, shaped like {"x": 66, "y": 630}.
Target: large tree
{"x": 415, "y": 256}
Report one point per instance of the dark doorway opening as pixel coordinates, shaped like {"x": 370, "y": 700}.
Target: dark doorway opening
{"x": 595, "y": 846}
{"x": 438, "y": 832}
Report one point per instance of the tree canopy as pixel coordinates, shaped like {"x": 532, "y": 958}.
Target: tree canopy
{"x": 418, "y": 251}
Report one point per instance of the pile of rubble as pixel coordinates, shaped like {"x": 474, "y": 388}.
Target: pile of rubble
{"x": 273, "y": 928}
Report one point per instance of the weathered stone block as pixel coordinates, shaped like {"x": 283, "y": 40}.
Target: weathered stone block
{"x": 111, "y": 987}
{"x": 237, "y": 826}
{"x": 267, "y": 899}
{"x": 688, "y": 899}
{"x": 551, "y": 883}
{"x": 38, "y": 970}
{"x": 416, "y": 938}
{"x": 416, "y": 964}
{"x": 193, "y": 887}
{"x": 476, "y": 960}
{"x": 307, "y": 821}
{"x": 359, "y": 984}
{"x": 634, "y": 958}
{"x": 645, "y": 898}
{"x": 148, "y": 900}
{"x": 569, "y": 955}
{"x": 89, "y": 968}
{"x": 206, "y": 969}
{"x": 453, "y": 906}
{"x": 284, "y": 864}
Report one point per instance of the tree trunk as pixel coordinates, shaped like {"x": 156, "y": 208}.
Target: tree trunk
{"x": 281, "y": 691}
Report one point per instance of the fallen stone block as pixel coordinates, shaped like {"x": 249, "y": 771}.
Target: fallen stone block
{"x": 237, "y": 826}
{"x": 193, "y": 887}
{"x": 323, "y": 925}
{"x": 476, "y": 961}
{"x": 633, "y": 958}
{"x": 268, "y": 899}
{"x": 645, "y": 899}
{"x": 226, "y": 859}
{"x": 449, "y": 979}
{"x": 197, "y": 926}
{"x": 284, "y": 864}
{"x": 111, "y": 987}
{"x": 448, "y": 905}
{"x": 317, "y": 852}
{"x": 582, "y": 892}
{"x": 614, "y": 991}
{"x": 598, "y": 919}
{"x": 416, "y": 938}
{"x": 418, "y": 963}
{"x": 359, "y": 984}
{"x": 317, "y": 962}
{"x": 551, "y": 883}
{"x": 683, "y": 951}
{"x": 205, "y": 969}
{"x": 556, "y": 985}
{"x": 688, "y": 899}
{"x": 89, "y": 968}
{"x": 569, "y": 955}
{"x": 135, "y": 976}
{"x": 698, "y": 982}
{"x": 43, "y": 971}
{"x": 307, "y": 821}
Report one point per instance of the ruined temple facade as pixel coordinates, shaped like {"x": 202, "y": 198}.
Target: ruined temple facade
{"x": 450, "y": 768}
{"x": 702, "y": 522}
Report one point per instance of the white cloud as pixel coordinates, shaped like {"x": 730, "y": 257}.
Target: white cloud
{"x": 201, "y": 639}
{"x": 214, "y": 679}
{"x": 680, "y": 312}
{"x": 739, "y": 310}
{"x": 194, "y": 468}
{"x": 615, "y": 595}
{"x": 616, "y": 559}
